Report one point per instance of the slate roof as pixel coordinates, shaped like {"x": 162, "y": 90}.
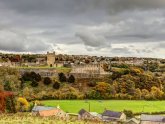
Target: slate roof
{"x": 111, "y": 114}
{"x": 153, "y": 118}
{"x": 41, "y": 108}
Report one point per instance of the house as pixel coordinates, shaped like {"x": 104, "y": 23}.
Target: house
{"x": 84, "y": 115}
{"x": 36, "y": 109}
{"x": 112, "y": 116}
{"x": 152, "y": 119}
{"x": 133, "y": 121}
{"x": 45, "y": 111}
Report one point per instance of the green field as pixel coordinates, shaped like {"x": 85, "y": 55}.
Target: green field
{"x": 74, "y": 106}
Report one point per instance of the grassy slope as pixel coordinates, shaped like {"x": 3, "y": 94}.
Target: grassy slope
{"x": 117, "y": 105}
{"x": 27, "y": 118}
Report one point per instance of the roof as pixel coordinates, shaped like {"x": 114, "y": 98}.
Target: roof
{"x": 95, "y": 114}
{"x": 49, "y": 112}
{"x": 134, "y": 120}
{"x": 153, "y": 118}
{"x": 82, "y": 111}
{"x": 112, "y": 114}
{"x": 41, "y": 108}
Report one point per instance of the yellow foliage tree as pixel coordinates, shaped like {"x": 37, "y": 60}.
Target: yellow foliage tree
{"x": 22, "y": 104}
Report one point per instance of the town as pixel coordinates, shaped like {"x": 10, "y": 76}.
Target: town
{"x": 82, "y": 61}
{"x": 87, "y": 76}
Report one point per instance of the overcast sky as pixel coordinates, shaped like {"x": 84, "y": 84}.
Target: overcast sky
{"x": 93, "y": 27}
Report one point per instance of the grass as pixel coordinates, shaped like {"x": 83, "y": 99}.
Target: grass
{"x": 28, "y": 118}
{"x": 73, "y": 106}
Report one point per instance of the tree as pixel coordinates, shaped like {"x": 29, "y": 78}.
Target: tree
{"x": 156, "y": 93}
{"x": 47, "y": 81}
{"x": 22, "y": 104}
{"x": 35, "y": 76}
{"x": 62, "y": 77}
{"x": 104, "y": 89}
{"x": 31, "y": 76}
{"x": 56, "y": 85}
{"x": 7, "y": 86}
{"x": 9, "y": 77}
{"x": 137, "y": 94}
{"x": 71, "y": 79}
{"x": 34, "y": 83}
{"x": 128, "y": 113}
{"x": 145, "y": 93}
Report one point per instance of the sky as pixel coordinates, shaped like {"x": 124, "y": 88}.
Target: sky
{"x": 84, "y": 27}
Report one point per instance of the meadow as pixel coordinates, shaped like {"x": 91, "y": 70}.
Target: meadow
{"x": 137, "y": 106}
{"x": 28, "y": 118}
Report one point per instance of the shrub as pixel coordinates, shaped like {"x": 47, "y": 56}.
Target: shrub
{"x": 128, "y": 113}
{"x": 71, "y": 79}
{"x": 47, "y": 81}
{"x": 92, "y": 84}
{"x": 62, "y": 77}
{"x": 34, "y": 83}
{"x": 30, "y": 76}
{"x": 56, "y": 85}
{"x": 22, "y": 104}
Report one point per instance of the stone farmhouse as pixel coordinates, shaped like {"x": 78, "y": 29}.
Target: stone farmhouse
{"x": 152, "y": 119}
{"x": 85, "y": 115}
{"x": 115, "y": 117}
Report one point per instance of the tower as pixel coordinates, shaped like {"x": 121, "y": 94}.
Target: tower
{"x": 51, "y": 59}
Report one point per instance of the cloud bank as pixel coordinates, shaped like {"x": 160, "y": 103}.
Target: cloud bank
{"x": 95, "y": 27}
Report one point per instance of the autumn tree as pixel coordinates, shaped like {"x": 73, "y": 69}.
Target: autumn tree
{"x": 156, "y": 93}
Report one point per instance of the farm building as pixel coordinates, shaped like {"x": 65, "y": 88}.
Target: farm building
{"x": 133, "y": 121}
{"x": 112, "y": 116}
{"x": 152, "y": 119}
{"x": 45, "y": 111}
{"x": 36, "y": 109}
{"x": 84, "y": 115}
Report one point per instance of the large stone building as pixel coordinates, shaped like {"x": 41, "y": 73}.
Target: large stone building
{"x": 51, "y": 59}
{"x": 89, "y": 71}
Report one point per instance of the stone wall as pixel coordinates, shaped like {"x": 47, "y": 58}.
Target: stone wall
{"x": 42, "y": 72}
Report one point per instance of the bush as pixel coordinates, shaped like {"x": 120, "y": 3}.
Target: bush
{"x": 22, "y": 104}
{"x": 56, "y": 85}
{"x": 30, "y": 76}
{"x": 62, "y": 77}
{"x": 34, "y": 83}
{"x": 47, "y": 81}
{"x": 128, "y": 113}
{"x": 92, "y": 84}
{"x": 71, "y": 79}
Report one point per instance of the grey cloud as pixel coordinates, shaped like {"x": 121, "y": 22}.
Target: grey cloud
{"x": 18, "y": 42}
{"x": 91, "y": 40}
{"x": 79, "y": 6}
{"x": 45, "y": 24}
{"x": 121, "y": 50}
